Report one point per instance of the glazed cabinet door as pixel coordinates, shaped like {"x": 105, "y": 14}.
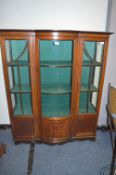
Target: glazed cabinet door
{"x": 18, "y": 64}
{"x": 56, "y": 55}
{"x": 92, "y": 68}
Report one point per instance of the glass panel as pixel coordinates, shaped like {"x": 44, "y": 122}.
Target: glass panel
{"x": 97, "y": 74}
{"x": 93, "y": 52}
{"x": 19, "y": 79}
{"x": 17, "y": 51}
{"x": 91, "y": 73}
{"x": 56, "y": 105}
{"x": 21, "y": 104}
{"x": 56, "y": 70}
{"x": 88, "y": 102}
{"x": 90, "y": 78}
{"x": 17, "y": 55}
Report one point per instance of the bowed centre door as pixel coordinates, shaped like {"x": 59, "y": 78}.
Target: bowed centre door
{"x": 55, "y": 59}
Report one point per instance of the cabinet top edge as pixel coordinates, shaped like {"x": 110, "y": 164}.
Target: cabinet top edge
{"x": 32, "y": 32}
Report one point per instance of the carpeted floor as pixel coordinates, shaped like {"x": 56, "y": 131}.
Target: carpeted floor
{"x": 72, "y": 158}
{"x": 15, "y": 161}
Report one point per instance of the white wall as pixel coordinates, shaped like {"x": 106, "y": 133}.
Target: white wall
{"x": 110, "y": 75}
{"x": 53, "y": 14}
{"x": 4, "y": 116}
{"x": 50, "y": 14}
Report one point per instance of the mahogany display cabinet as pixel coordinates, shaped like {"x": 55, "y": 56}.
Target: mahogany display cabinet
{"x": 54, "y": 82}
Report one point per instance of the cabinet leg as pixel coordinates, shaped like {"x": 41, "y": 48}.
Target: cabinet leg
{"x": 2, "y": 149}
{"x": 112, "y": 170}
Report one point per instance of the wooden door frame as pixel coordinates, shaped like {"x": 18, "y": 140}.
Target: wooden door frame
{"x": 14, "y": 121}
{"x": 94, "y": 117}
{"x": 57, "y": 36}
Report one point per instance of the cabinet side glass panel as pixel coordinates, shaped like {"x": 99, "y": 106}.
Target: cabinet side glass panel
{"x": 17, "y": 56}
{"x": 56, "y": 77}
{"x": 91, "y": 73}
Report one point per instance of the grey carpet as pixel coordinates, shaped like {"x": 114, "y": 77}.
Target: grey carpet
{"x": 72, "y": 158}
{"x": 15, "y": 161}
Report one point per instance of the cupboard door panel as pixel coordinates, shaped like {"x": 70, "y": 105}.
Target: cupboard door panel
{"x": 56, "y": 130}
{"x": 92, "y": 60}
{"x": 93, "y": 56}
{"x": 23, "y": 129}
{"x": 18, "y": 64}
{"x": 86, "y": 126}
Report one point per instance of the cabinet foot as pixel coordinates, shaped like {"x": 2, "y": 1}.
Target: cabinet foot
{"x": 2, "y": 149}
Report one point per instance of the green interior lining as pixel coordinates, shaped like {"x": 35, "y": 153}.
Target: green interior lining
{"x": 56, "y": 81}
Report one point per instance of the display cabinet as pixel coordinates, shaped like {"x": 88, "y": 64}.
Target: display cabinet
{"x": 54, "y": 82}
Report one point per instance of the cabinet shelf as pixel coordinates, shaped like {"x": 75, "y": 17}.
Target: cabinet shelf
{"x": 88, "y": 63}
{"x": 23, "y": 88}
{"x": 83, "y": 108}
{"x": 85, "y": 88}
{"x": 18, "y": 63}
{"x": 55, "y": 89}
{"x": 27, "y": 110}
{"x": 54, "y": 64}
{"x": 56, "y": 110}
{"x": 55, "y": 105}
